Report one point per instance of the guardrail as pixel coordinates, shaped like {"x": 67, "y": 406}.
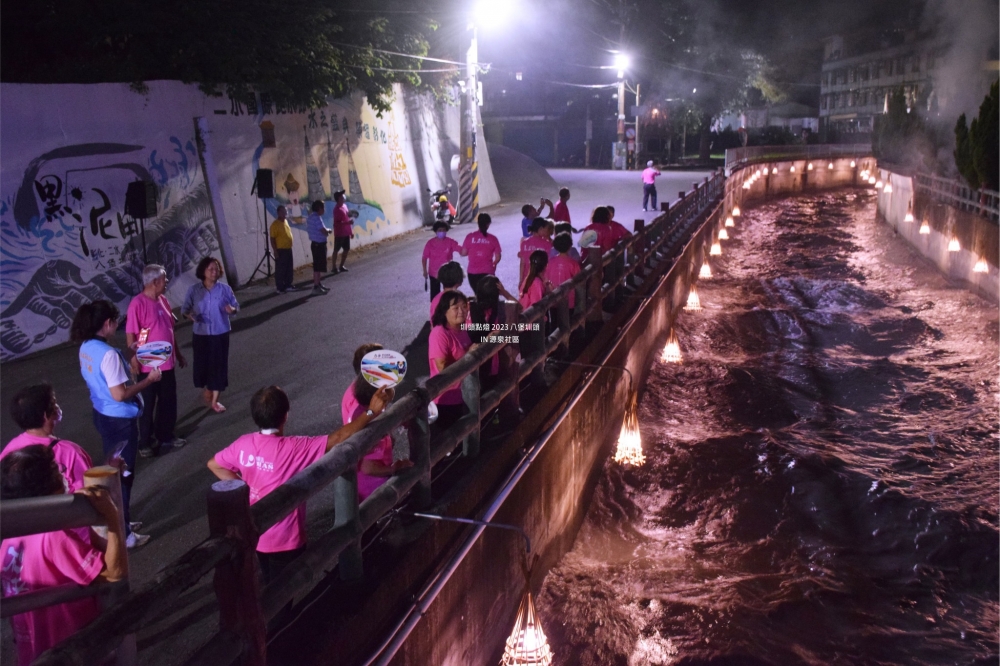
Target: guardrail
{"x": 234, "y": 525}
{"x": 37, "y": 515}
{"x": 740, "y": 157}
{"x": 956, "y": 193}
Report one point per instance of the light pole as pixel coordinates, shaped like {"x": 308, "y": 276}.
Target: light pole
{"x": 468, "y": 165}
{"x": 621, "y": 64}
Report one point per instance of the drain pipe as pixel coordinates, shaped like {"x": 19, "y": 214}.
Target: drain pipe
{"x": 401, "y": 631}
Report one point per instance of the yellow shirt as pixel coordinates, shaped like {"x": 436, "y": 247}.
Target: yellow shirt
{"x": 282, "y": 234}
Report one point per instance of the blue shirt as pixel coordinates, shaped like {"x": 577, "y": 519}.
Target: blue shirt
{"x": 315, "y": 226}
{"x": 208, "y": 307}
{"x": 92, "y": 353}
{"x": 526, "y": 226}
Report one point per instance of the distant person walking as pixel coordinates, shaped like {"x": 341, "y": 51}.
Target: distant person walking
{"x": 649, "y": 175}
{"x": 209, "y": 304}
{"x": 483, "y": 250}
{"x": 317, "y": 244}
{"x": 437, "y": 252}
{"x": 117, "y": 399}
{"x": 281, "y": 243}
{"x": 150, "y": 319}
{"x": 343, "y": 230}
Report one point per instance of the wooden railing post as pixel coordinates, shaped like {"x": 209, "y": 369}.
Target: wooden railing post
{"x": 639, "y": 248}
{"x": 470, "y": 396}
{"x": 345, "y": 510}
{"x": 107, "y": 477}
{"x": 594, "y": 317}
{"x": 418, "y": 432}
{"x": 511, "y": 405}
{"x": 237, "y": 580}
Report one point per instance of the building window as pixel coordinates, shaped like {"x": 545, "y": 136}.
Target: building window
{"x": 916, "y": 63}
{"x": 876, "y": 67}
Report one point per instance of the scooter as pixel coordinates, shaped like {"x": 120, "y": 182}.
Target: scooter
{"x": 443, "y": 210}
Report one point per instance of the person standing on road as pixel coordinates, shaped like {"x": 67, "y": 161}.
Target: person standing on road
{"x": 281, "y": 243}
{"x": 649, "y": 175}
{"x": 150, "y": 319}
{"x": 266, "y": 459}
{"x": 483, "y": 250}
{"x": 317, "y": 244}
{"x": 530, "y": 213}
{"x": 343, "y": 230}
{"x": 561, "y": 212}
{"x": 437, "y": 252}
{"x": 117, "y": 399}
{"x": 209, "y": 304}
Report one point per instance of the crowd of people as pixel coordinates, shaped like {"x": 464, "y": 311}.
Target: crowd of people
{"x": 134, "y": 398}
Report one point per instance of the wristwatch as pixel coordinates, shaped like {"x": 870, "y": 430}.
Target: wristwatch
{"x": 370, "y": 413}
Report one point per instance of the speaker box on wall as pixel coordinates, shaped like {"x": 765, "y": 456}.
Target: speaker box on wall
{"x": 265, "y": 184}
{"x": 140, "y": 199}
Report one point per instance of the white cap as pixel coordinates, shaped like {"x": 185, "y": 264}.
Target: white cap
{"x": 649, "y": 163}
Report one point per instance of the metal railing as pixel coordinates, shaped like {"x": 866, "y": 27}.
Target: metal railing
{"x": 737, "y": 158}
{"x": 244, "y": 608}
{"x": 958, "y": 194}
{"x": 37, "y": 515}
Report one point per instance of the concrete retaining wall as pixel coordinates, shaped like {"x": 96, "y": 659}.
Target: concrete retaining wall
{"x": 978, "y": 238}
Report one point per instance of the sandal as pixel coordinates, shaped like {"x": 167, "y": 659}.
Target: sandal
{"x": 218, "y": 408}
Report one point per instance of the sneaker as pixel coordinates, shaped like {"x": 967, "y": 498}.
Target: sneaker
{"x": 319, "y": 290}
{"x": 343, "y": 270}
{"x": 148, "y": 451}
{"x": 644, "y": 210}
{"x": 176, "y": 442}
{"x": 136, "y": 540}
{"x": 292, "y": 287}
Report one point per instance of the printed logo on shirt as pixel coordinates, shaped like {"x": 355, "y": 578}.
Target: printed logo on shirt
{"x": 13, "y": 562}
{"x": 256, "y": 461}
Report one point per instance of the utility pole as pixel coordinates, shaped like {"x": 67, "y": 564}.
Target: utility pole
{"x": 589, "y": 135}
{"x": 468, "y": 167}
{"x": 638, "y": 146}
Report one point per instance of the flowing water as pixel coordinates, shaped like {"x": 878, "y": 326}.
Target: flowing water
{"x": 821, "y": 483}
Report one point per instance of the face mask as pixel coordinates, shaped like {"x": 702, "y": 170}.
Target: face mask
{"x": 58, "y": 413}
{"x": 442, "y": 234}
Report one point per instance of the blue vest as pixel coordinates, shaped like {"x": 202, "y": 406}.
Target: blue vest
{"x": 91, "y": 354}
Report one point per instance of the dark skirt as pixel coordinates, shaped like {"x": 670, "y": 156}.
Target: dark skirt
{"x": 211, "y": 361}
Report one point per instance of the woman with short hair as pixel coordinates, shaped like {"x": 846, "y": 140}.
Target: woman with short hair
{"x": 209, "y": 304}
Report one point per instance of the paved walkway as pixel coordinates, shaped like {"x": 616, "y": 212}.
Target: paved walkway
{"x": 304, "y": 344}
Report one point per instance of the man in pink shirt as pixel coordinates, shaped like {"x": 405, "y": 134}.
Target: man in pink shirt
{"x": 150, "y": 319}
{"x": 268, "y": 458}
{"x": 561, "y": 211}
{"x": 563, "y": 267}
{"x": 35, "y": 410}
{"x": 483, "y": 250}
{"x": 649, "y": 175}
{"x": 343, "y": 230}
{"x": 437, "y": 252}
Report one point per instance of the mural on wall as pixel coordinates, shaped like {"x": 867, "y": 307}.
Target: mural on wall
{"x": 66, "y": 239}
{"x": 333, "y": 141}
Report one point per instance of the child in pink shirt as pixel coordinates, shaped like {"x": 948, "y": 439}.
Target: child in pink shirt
{"x": 267, "y": 459}
{"x": 377, "y": 466}
{"x": 451, "y": 277}
{"x": 618, "y": 231}
{"x": 38, "y": 561}
{"x": 541, "y": 233}
{"x": 563, "y": 267}
{"x": 561, "y": 211}
{"x": 437, "y": 252}
{"x": 535, "y": 286}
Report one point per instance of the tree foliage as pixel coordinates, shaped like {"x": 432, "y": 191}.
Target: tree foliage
{"x": 898, "y": 136}
{"x": 977, "y": 146}
{"x": 299, "y": 51}
{"x": 963, "y": 153}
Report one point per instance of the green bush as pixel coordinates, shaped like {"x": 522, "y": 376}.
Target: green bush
{"x": 977, "y": 147}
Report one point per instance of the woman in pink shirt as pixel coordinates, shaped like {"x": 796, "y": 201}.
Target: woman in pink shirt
{"x": 437, "y": 252}
{"x": 618, "y": 230}
{"x": 448, "y": 342}
{"x": 349, "y": 403}
{"x": 535, "y": 286}
{"x": 599, "y": 223}
{"x": 377, "y": 466}
{"x": 540, "y": 239}
{"x": 563, "y": 267}
{"x": 51, "y": 559}
{"x": 483, "y": 250}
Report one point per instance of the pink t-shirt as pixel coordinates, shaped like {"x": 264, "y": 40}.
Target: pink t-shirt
{"x": 534, "y": 293}
{"x": 348, "y": 404}
{"x": 649, "y": 175}
{"x": 529, "y": 245}
{"x": 483, "y": 251}
{"x": 438, "y": 252}
{"x": 618, "y": 232}
{"x": 39, "y": 561}
{"x": 73, "y": 461}
{"x": 144, "y": 312}
{"x": 381, "y": 453}
{"x": 450, "y": 345}
{"x": 603, "y": 236}
{"x": 560, "y": 212}
{"x": 562, "y": 267}
{"x": 343, "y": 225}
{"x": 265, "y": 462}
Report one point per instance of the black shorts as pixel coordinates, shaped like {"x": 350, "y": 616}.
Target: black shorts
{"x": 319, "y": 256}
{"x": 342, "y": 243}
